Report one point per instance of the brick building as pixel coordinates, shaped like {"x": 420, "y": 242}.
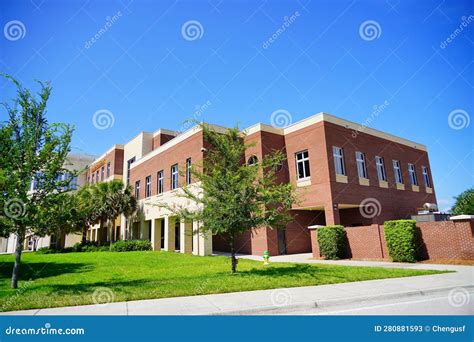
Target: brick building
{"x": 344, "y": 173}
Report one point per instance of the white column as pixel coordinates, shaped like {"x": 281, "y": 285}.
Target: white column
{"x": 186, "y": 231}
{"x": 169, "y": 233}
{"x": 205, "y": 244}
{"x": 154, "y": 238}
{"x": 195, "y": 238}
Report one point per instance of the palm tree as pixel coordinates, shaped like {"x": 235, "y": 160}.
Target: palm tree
{"x": 112, "y": 199}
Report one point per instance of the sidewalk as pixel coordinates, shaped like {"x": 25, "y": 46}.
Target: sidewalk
{"x": 278, "y": 300}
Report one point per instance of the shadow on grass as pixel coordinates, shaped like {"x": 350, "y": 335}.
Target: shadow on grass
{"x": 38, "y": 270}
{"x": 296, "y": 270}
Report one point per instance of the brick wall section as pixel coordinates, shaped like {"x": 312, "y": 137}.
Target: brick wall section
{"x": 439, "y": 240}
{"x": 160, "y": 139}
{"x": 447, "y": 240}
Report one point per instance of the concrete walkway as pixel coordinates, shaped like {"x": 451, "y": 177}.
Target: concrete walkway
{"x": 458, "y": 286}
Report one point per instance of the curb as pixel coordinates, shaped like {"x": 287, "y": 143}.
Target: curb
{"x": 330, "y": 303}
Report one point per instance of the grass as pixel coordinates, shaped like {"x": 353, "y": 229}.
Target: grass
{"x": 53, "y": 280}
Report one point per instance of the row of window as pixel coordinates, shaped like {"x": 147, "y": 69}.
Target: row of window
{"x": 160, "y": 176}
{"x": 99, "y": 174}
{"x": 303, "y": 169}
{"x": 36, "y": 183}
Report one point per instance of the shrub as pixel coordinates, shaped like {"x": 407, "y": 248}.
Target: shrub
{"x": 402, "y": 240}
{"x": 332, "y": 241}
{"x": 90, "y": 249}
{"x": 131, "y": 245}
{"x": 45, "y": 250}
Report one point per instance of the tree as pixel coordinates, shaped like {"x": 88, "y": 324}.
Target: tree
{"x": 464, "y": 203}
{"x": 31, "y": 148}
{"x": 110, "y": 200}
{"x": 235, "y": 197}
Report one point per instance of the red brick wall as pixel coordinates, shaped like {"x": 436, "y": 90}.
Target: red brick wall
{"x": 115, "y": 158}
{"x": 160, "y": 139}
{"x": 189, "y": 148}
{"x": 439, "y": 240}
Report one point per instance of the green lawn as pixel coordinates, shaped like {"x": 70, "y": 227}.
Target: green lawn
{"x": 71, "y": 279}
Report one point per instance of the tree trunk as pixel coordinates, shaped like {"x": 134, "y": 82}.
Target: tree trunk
{"x": 16, "y": 267}
{"x": 232, "y": 252}
{"x": 84, "y": 235}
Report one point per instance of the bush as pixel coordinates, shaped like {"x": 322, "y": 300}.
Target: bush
{"x": 402, "y": 240}
{"x": 83, "y": 247}
{"x": 45, "y": 250}
{"x": 332, "y": 241}
{"x": 131, "y": 245}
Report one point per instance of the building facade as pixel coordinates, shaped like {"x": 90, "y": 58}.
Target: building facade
{"x": 344, "y": 173}
{"x": 74, "y": 162}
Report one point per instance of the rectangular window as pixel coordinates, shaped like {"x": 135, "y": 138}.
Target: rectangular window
{"x": 188, "y": 171}
{"x": 93, "y": 178}
{"x": 338, "y": 155}
{"x": 137, "y": 189}
{"x": 174, "y": 176}
{"x": 380, "y": 168}
{"x": 397, "y": 171}
{"x": 412, "y": 174}
{"x": 102, "y": 173}
{"x": 97, "y": 176}
{"x": 148, "y": 186}
{"x": 161, "y": 183}
{"x": 129, "y": 162}
{"x": 426, "y": 177}
{"x": 361, "y": 165}
{"x": 108, "y": 169}
{"x": 302, "y": 165}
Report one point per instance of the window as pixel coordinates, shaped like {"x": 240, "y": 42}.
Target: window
{"x": 129, "y": 162}
{"x": 412, "y": 174}
{"x": 102, "y": 173}
{"x": 338, "y": 155}
{"x": 252, "y": 160}
{"x": 397, "y": 171}
{"x": 137, "y": 189}
{"x": 361, "y": 166}
{"x": 108, "y": 169}
{"x": 302, "y": 165}
{"x": 188, "y": 171}
{"x": 160, "y": 184}
{"x": 380, "y": 168}
{"x": 93, "y": 178}
{"x": 426, "y": 177}
{"x": 148, "y": 186}
{"x": 174, "y": 176}
{"x": 97, "y": 176}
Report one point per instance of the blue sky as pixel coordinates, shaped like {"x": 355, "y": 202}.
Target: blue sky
{"x": 342, "y": 57}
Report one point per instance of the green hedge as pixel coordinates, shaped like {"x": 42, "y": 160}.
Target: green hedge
{"x": 131, "y": 245}
{"x": 402, "y": 240}
{"x": 332, "y": 241}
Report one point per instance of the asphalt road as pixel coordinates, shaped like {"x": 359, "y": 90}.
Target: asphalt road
{"x": 439, "y": 304}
